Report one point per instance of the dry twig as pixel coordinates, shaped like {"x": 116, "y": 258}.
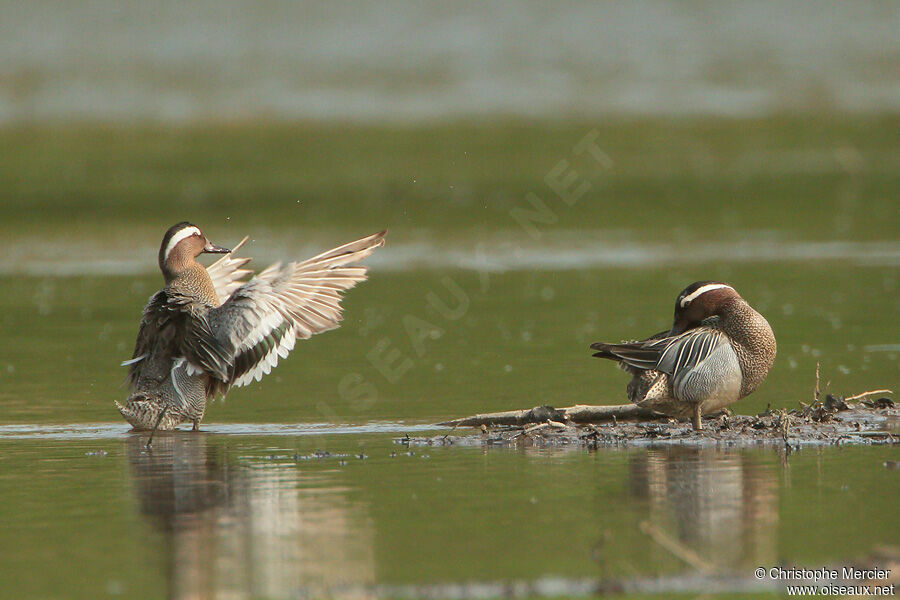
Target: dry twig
{"x": 865, "y": 394}
{"x": 816, "y": 394}
{"x": 580, "y": 413}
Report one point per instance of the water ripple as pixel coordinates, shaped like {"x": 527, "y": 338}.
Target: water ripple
{"x": 76, "y": 431}
{"x": 566, "y": 251}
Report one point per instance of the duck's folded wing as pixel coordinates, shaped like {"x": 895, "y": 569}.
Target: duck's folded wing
{"x": 153, "y": 320}
{"x": 243, "y": 339}
{"x": 604, "y": 350}
{"x": 227, "y": 274}
{"x": 669, "y": 354}
{"x": 635, "y": 354}
{"x": 684, "y": 352}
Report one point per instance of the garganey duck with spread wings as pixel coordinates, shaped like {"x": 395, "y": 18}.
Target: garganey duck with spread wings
{"x": 210, "y": 329}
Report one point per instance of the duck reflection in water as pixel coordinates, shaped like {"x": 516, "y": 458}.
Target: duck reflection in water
{"x": 708, "y": 506}
{"x": 247, "y": 529}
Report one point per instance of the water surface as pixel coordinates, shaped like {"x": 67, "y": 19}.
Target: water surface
{"x": 296, "y": 488}
{"x": 427, "y": 60}
{"x": 352, "y": 515}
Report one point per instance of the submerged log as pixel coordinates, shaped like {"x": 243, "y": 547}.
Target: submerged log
{"x": 580, "y": 413}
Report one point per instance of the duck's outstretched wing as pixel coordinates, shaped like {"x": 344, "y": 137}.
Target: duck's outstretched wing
{"x": 227, "y": 274}
{"x": 242, "y": 339}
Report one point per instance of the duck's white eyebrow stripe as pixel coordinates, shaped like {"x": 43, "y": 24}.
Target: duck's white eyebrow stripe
{"x": 702, "y": 290}
{"x": 184, "y": 233}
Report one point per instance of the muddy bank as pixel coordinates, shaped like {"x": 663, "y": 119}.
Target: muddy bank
{"x": 832, "y": 422}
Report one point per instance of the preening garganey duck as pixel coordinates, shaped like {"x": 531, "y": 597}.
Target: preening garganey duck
{"x": 718, "y": 351}
{"x": 208, "y": 329}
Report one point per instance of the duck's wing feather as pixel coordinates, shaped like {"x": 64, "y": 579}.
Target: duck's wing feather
{"x": 603, "y": 351}
{"x": 242, "y": 339}
{"x": 669, "y": 354}
{"x": 160, "y": 323}
{"x": 634, "y": 354}
{"x": 227, "y": 274}
{"x": 684, "y": 352}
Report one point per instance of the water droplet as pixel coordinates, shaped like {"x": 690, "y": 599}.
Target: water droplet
{"x": 114, "y": 587}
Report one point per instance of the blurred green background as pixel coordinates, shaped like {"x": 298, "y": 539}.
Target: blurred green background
{"x": 791, "y": 178}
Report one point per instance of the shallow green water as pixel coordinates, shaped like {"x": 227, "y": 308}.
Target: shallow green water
{"x": 216, "y": 515}
{"x": 495, "y": 341}
{"x": 465, "y": 312}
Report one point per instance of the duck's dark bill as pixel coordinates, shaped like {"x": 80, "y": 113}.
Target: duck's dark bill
{"x": 213, "y": 249}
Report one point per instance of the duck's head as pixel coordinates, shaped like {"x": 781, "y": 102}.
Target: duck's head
{"x": 183, "y": 243}
{"x": 699, "y": 301}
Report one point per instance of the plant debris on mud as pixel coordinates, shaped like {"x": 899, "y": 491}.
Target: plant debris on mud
{"x": 835, "y": 421}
